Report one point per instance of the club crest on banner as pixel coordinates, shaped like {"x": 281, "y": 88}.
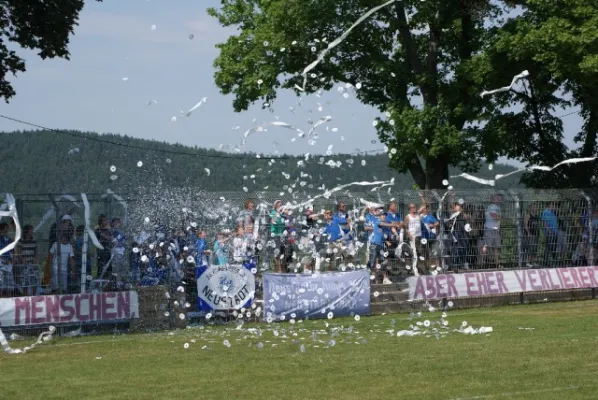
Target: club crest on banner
{"x": 225, "y": 287}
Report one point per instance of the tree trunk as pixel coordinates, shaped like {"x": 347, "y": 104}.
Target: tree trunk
{"x": 436, "y": 171}
{"x": 581, "y": 174}
{"x": 417, "y": 172}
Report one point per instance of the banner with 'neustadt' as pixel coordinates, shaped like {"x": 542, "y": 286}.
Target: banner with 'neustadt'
{"x": 489, "y": 283}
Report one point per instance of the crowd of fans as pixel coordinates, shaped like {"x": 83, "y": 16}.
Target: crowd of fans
{"x": 283, "y": 238}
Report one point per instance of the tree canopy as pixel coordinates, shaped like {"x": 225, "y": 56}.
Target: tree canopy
{"x": 424, "y": 64}
{"x": 41, "y": 25}
{"x": 557, "y": 42}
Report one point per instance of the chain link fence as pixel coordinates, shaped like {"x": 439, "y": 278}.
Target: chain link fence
{"x": 151, "y": 240}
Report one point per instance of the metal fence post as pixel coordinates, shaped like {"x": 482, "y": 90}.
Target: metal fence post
{"x": 590, "y": 228}
{"x": 519, "y": 228}
{"x": 440, "y": 233}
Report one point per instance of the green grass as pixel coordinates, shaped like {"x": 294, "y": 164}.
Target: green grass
{"x": 555, "y": 360}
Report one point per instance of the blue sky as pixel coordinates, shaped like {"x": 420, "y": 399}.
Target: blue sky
{"x": 115, "y": 40}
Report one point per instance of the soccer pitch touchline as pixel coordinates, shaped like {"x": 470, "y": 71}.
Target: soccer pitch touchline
{"x": 508, "y": 394}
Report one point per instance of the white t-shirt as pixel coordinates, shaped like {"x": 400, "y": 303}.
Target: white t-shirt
{"x": 415, "y": 225}
{"x": 492, "y": 223}
{"x": 66, "y": 251}
{"x": 239, "y": 249}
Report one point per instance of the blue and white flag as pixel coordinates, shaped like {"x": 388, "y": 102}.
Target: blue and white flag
{"x": 316, "y": 295}
{"x": 225, "y": 287}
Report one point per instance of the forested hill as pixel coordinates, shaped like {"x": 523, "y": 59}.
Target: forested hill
{"x": 51, "y": 162}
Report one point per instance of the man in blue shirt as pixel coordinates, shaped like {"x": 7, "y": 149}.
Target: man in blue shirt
{"x": 369, "y": 216}
{"x": 333, "y": 234}
{"x": 202, "y": 250}
{"x": 379, "y": 223}
{"x": 550, "y": 227}
{"x": 431, "y": 247}
{"x": 393, "y": 218}
{"x": 333, "y": 229}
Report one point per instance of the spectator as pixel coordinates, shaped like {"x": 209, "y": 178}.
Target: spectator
{"x": 202, "y": 251}
{"x": 246, "y": 220}
{"x": 26, "y": 256}
{"x": 368, "y": 215}
{"x": 455, "y": 225}
{"x": 62, "y": 259}
{"x": 531, "y": 235}
{"x": 119, "y": 266}
{"x": 492, "y": 230}
{"x": 413, "y": 225}
{"x": 431, "y": 247}
{"x": 221, "y": 249}
{"x": 344, "y": 222}
{"x": 391, "y": 236}
{"x": 550, "y": 228}
{"x": 7, "y": 281}
{"x": 376, "y": 248}
{"x": 239, "y": 246}
{"x": 105, "y": 237}
{"x": 277, "y": 227}
{"x": 65, "y": 225}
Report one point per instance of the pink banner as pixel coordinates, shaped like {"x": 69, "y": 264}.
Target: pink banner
{"x": 69, "y": 308}
{"x": 501, "y": 282}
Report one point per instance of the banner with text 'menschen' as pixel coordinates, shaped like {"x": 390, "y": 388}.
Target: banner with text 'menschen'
{"x": 315, "y": 295}
{"x": 501, "y": 282}
{"x": 69, "y": 308}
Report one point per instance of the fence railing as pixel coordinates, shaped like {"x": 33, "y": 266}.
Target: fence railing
{"x": 159, "y": 233}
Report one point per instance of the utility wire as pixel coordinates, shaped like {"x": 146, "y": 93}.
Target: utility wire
{"x": 166, "y": 151}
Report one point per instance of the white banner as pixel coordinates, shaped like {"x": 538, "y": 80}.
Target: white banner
{"x": 69, "y": 308}
{"x": 501, "y": 282}
{"x": 225, "y": 287}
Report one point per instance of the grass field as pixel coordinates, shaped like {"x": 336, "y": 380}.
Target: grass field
{"x": 557, "y": 359}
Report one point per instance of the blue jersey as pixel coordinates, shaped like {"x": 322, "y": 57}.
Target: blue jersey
{"x": 377, "y": 237}
{"x": 426, "y": 220}
{"x": 390, "y": 218}
{"x": 369, "y": 223}
{"x": 341, "y": 219}
{"x": 550, "y": 221}
{"x": 333, "y": 231}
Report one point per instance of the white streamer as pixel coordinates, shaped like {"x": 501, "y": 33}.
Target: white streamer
{"x": 274, "y": 123}
{"x": 337, "y": 41}
{"x": 370, "y": 204}
{"x": 321, "y": 121}
{"x": 12, "y": 213}
{"x": 481, "y": 181}
{"x": 548, "y": 169}
{"x": 39, "y": 340}
{"x": 527, "y": 169}
{"x": 195, "y": 107}
{"x": 522, "y": 75}
{"x": 328, "y": 193}
{"x": 90, "y": 231}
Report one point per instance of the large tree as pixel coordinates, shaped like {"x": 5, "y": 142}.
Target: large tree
{"x": 41, "y": 25}
{"x": 414, "y": 59}
{"x": 557, "y": 42}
